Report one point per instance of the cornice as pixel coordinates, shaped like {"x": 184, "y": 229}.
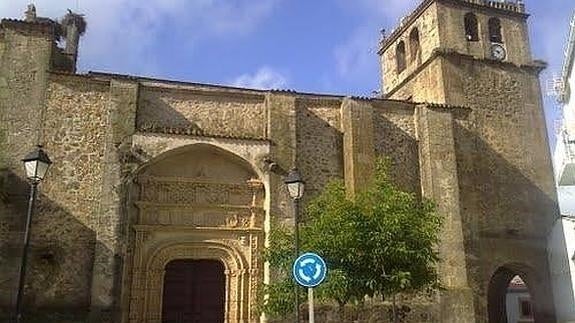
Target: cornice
{"x": 443, "y": 106}
{"x": 385, "y": 43}
{"x": 167, "y": 134}
{"x": 180, "y": 228}
{"x": 535, "y": 67}
{"x": 517, "y": 10}
{"x": 39, "y": 27}
{"x": 67, "y": 76}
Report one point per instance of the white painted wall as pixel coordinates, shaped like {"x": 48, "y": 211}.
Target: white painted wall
{"x": 512, "y": 307}
{"x": 561, "y": 251}
{"x": 561, "y": 241}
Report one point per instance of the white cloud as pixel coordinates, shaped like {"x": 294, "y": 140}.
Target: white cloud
{"x": 391, "y": 9}
{"x": 122, "y": 34}
{"x": 356, "y": 57}
{"x": 357, "y": 54}
{"x": 264, "y": 78}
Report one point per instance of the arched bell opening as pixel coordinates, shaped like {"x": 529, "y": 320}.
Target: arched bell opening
{"x": 400, "y": 57}
{"x": 414, "y": 46}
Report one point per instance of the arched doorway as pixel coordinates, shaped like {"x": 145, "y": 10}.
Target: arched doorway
{"x": 194, "y": 291}
{"x": 509, "y": 298}
{"x": 199, "y": 215}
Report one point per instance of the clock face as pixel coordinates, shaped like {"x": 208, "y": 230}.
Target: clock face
{"x": 498, "y": 52}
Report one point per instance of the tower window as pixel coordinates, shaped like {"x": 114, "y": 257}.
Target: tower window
{"x": 414, "y": 45}
{"x": 495, "y": 30}
{"x": 400, "y": 56}
{"x": 471, "y": 27}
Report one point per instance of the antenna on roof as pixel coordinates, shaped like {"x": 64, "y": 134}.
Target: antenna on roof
{"x": 558, "y": 125}
{"x": 555, "y": 87}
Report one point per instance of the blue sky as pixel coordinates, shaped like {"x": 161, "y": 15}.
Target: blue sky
{"x": 326, "y": 46}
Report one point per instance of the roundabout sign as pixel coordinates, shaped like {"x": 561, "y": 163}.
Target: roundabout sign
{"x": 309, "y": 270}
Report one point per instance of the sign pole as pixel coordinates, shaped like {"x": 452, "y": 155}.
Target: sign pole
{"x": 310, "y": 302}
{"x": 309, "y": 270}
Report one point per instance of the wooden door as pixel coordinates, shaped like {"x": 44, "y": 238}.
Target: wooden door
{"x": 194, "y": 292}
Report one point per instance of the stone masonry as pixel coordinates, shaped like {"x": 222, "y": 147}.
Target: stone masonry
{"x": 149, "y": 171}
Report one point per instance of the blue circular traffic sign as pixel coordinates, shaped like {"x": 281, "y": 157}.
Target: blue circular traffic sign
{"x": 309, "y": 270}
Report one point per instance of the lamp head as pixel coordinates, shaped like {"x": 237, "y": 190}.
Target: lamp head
{"x": 36, "y": 164}
{"x": 295, "y": 184}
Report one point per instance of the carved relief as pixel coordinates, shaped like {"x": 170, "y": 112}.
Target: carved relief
{"x": 182, "y": 191}
{"x": 191, "y": 217}
{"x": 254, "y": 273}
{"x": 219, "y": 217}
{"x": 172, "y": 202}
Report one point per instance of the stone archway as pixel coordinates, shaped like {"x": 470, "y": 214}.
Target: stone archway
{"x": 197, "y": 202}
{"x": 498, "y": 289}
{"x": 152, "y": 278}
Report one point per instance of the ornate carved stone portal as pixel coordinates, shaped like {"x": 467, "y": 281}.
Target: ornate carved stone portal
{"x": 198, "y": 202}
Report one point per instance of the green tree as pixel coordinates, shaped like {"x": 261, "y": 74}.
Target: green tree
{"x": 382, "y": 243}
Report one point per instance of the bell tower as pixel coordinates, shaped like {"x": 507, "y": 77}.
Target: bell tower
{"x": 488, "y": 31}
{"x": 473, "y": 57}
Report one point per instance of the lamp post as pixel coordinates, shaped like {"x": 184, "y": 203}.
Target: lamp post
{"x": 36, "y": 164}
{"x": 295, "y": 186}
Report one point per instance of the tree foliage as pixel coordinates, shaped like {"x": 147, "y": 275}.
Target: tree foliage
{"x": 379, "y": 244}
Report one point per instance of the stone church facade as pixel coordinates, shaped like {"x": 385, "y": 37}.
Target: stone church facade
{"x": 148, "y": 172}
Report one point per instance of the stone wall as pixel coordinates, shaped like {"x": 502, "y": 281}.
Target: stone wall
{"x": 394, "y": 127}
{"x": 282, "y": 132}
{"x": 441, "y": 27}
{"x": 424, "y": 85}
{"x": 508, "y": 103}
{"x": 504, "y": 99}
{"x": 513, "y": 29}
{"x": 23, "y": 72}
{"x": 111, "y": 230}
{"x": 24, "y": 62}
{"x": 319, "y": 142}
{"x": 232, "y": 114}
{"x": 75, "y": 126}
{"x": 507, "y": 195}
{"x": 429, "y": 39}
{"x": 493, "y": 167}
{"x": 487, "y": 166}
{"x": 63, "y": 239}
{"x": 358, "y": 144}
{"x": 439, "y": 182}
{"x": 371, "y": 312}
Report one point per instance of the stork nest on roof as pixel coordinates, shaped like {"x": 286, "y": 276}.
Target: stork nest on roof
{"x": 76, "y": 19}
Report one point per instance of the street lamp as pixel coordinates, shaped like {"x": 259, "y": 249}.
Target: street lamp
{"x": 295, "y": 186}
{"x": 36, "y": 165}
